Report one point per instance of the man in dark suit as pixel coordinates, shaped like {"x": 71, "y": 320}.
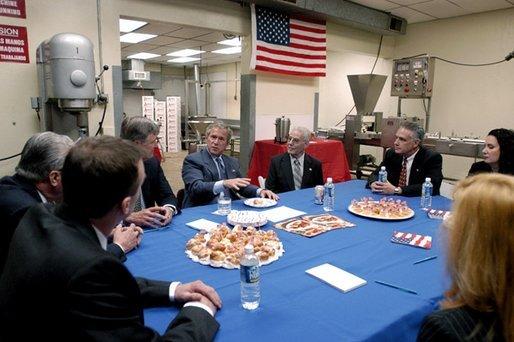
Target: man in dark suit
{"x": 59, "y": 283}
{"x": 408, "y": 164}
{"x": 209, "y": 172}
{"x": 158, "y": 203}
{"x": 38, "y": 180}
{"x": 295, "y": 169}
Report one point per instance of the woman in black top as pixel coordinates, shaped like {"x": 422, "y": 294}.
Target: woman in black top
{"x": 498, "y": 153}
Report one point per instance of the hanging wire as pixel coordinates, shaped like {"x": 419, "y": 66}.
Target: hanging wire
{"x": 11, "y": 157}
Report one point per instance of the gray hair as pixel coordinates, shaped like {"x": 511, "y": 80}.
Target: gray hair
{"x": 43, "y": 153}
{"x": 306, "y": 134}
{"x": 419, "y": 132}
{"x": 219, "y": 125}
{"x": 138, "y": 128}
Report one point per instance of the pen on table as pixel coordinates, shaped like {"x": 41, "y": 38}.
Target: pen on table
{"x": 425, "y": 259}
{"x": 396, "y": 287}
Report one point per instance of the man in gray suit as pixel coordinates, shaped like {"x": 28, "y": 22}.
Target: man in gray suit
{"x": 209, "y": 172}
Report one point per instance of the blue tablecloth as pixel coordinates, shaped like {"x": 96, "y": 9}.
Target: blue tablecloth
{"x": 297, "y": 307}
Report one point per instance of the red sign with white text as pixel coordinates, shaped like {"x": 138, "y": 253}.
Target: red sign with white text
{"x": 14, "y": 45}
{"x": 12, "y": 8}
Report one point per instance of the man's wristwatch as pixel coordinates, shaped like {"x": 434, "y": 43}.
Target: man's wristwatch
{"x": 397, "y": 190}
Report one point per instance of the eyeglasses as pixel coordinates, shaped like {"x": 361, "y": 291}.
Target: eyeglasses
{"x": 153, "y": 142}
{"x": 294, "y": 140}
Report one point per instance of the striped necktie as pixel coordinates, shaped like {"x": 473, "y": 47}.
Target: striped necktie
{"x": 221, "y": 168}
{"x": 403, "y": 173}
{"x": 297, "y": 174}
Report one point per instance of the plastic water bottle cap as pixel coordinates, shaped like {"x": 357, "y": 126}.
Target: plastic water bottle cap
{"x": 248, "y": 249}
{"x": 329, "y": 180}
{"x": 428, "y": 179}
{"x": 383, "y": 168}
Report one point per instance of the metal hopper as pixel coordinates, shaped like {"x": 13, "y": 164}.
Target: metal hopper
{"x": 366, "y": 89}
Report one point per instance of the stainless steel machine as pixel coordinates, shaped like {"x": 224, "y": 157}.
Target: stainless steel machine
{"x": 66, "y": 78}
{"x": 412, "y": 79}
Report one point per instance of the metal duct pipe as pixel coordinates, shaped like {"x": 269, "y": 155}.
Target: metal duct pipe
{"x": 196, "y": 74}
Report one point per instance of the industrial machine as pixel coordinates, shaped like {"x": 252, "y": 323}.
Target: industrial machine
{"x": 412, "y": 79}
{"x": 66, "y": 79}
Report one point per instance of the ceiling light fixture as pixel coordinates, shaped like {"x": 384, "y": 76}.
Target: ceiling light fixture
{"x": 143, "y": 55}
{"x": 130, "y": 25}
{"x": 231, "y": 42}
{"x": 136, "y": 37}
{"x": 228, "y": 51}
{"x": 184, "y": 60}
{"x": 185, "y": 53}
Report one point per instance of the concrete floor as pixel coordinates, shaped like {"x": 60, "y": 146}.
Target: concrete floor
{"x": 172, "y": 167}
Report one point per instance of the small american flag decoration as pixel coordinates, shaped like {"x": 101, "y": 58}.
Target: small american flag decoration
{"x": 288, "y": 44}
{"x": 411, "y": 239}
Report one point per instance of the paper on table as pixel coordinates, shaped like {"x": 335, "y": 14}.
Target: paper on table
{"x": 336, "y": 277}
{"x": 281, "y": 213}
{"x": 202, "y": 224}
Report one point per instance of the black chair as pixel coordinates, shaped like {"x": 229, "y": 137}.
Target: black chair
{"x": 180, "y": 197}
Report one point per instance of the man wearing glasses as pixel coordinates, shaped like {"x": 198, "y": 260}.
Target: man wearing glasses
{"x": 294, "y": 169}
{"x": 156, "y": 203}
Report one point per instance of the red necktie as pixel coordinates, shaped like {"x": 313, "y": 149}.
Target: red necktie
{"x": 403, "y": 173}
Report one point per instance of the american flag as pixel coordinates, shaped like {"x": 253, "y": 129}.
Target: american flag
{"x": 414, "y": 240}
{"x": 288, "y": 44}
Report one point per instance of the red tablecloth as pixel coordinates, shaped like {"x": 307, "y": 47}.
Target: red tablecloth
{"x": 329, "y": 152}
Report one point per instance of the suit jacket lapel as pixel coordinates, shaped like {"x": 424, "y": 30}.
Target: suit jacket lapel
{"x": 285, "y": 164}
{"x": 414, "y": 169}
{"x": 211, "y": 166}
{"x": 307, "y": 169}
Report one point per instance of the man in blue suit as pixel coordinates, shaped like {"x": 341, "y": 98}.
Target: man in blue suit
{"x": 209, "y": 172}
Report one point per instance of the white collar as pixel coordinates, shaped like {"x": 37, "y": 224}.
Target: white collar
{"x": 300, "y": 158}
{"x": 411, "y": 157}
{"x": 101, "y": 238}
{"x": 43, "y": 198}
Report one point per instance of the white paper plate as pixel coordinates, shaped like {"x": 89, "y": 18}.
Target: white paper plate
{"x": 377, "y": 217}
{"x": 259, "y": 202}
{"x": 246, "y": 218}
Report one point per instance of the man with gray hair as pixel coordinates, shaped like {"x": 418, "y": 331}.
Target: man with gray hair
{"x": 38, "y": 180}
{"x": 209, "y": 172}
{"x": 294, "y": 169}
{"x": 407, "y": 164}
{"x": 157, "y": 203}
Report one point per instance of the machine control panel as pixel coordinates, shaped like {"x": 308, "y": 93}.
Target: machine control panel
{"x": 413, "y": 77}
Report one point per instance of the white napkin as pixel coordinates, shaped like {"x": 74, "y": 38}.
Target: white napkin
{"x": 336, "y": 277}
{"x": 202, "y": 224}
{"x": 281, "y": 213}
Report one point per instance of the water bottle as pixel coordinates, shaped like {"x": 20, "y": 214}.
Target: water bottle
{"x": 382, "y": 175}
{"x": 250, "y": 291}
{"x": 224, "y": 204}
{"x": 329, "y": 194}
{"x": 426, "y": 194}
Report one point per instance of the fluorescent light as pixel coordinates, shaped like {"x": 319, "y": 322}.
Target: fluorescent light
{"x": 184, "y": 60}
{"x": 231, "y": 42}
{"x": 185, "y": 53}
{"x": 136, "y": 37}
{"x": 130, "y": 25}
{"x": 143, "y": 55}
{"x": 228, "y": 51}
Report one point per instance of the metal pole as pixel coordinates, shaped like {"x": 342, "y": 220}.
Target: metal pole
{"x": 427, "y": 115}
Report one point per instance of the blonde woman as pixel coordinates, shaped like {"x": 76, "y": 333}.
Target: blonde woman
{"x": 479, "y": 306}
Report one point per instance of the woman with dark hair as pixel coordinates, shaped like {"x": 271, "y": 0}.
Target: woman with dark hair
{"x": 479, "y": 305}
{"x": 498, "y": 153}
